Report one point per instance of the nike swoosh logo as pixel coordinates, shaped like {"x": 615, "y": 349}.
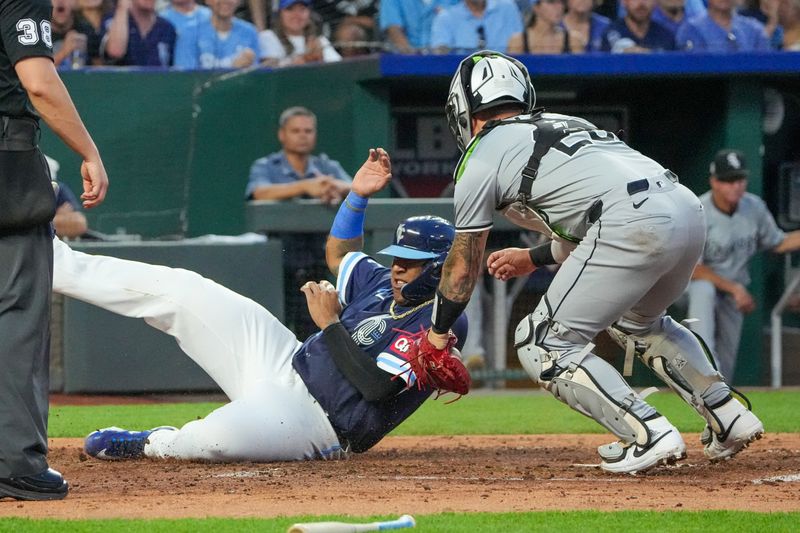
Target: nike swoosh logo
{"x": 724, "y": 435}
{"x": 638, "y": 451}
{"x": 637, "y": 206}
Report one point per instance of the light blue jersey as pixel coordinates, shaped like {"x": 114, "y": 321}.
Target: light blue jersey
{"x": 186, "y": 24}
{"x": 457, "y": 29}
{"x": 414, "y": 17}
{"x": 217, "y": 50}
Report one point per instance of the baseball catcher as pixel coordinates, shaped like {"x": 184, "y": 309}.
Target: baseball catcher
{"x": 342, "y": 389}
{"x": 628, "y": 237}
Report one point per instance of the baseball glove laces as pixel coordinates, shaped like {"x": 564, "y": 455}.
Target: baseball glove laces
{"x": 435, "y": 368}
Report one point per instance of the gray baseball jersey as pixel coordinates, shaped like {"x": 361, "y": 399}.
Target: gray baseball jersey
{"x": 633, "y": 256}
{"x": 732, "y": 240}
{"x": 577, "y": 171}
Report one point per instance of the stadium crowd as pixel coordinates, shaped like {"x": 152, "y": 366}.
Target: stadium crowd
{"x": 211, "y": 34}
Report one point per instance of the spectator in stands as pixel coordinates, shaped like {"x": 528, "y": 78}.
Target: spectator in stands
{"x": 584, "y": 23}
{"x": 636, "y": 32}
{"x": 186, "y": 16}
{"x": 69, "y": 222}
{"x": 407, "y": 23}
{"x": 691, "y": 8}
{"x": 294, "y": 38}
{"x": 334, "y": 13}
{"x": 474, "y": 25}
{"x": 95, "y": 12}
{"x": 71, "y": 36}
{"x": 670, "y": 14}
{"x": 789, "y": 17}
{"x": 224, "y": 41}
{"x": 257, "y": 12}
{"x": 766, "y": 12}
{"x": 721, "y": 29}
{"x": 738, "y": 226}
{"x": 544, "y": 33}
{"x": 351, "y": 40}
{"x": 295, "y": 172}
{"x": 135, "y": 35}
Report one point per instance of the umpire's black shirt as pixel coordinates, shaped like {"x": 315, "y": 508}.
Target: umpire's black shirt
{"x": 26, "y": 32}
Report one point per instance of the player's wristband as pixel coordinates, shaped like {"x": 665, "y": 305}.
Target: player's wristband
{"x": 445, "y": 313}
{"x": 349, "y": 221}
{"x": 542, "y": 255}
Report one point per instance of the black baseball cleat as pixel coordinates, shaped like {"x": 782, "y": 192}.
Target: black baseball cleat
{"x": 47, "y": 485}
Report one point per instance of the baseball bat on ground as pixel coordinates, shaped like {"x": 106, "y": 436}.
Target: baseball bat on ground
{"x": 343, "y": 527}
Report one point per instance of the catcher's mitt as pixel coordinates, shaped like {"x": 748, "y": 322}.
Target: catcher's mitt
{"x": 440, "y": 369}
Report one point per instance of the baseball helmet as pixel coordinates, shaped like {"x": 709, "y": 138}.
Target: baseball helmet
{"x": 421, "y": 237}
{"x": 484, "y": 80}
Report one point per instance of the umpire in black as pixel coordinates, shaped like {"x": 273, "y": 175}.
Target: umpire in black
{"x": 29, "y": 89}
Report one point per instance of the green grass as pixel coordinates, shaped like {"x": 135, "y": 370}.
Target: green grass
{"x": 514, "y": 413}
{"x": 557, "y": 522}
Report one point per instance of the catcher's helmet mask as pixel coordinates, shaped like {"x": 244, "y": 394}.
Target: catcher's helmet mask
{"x": 484, "y": 80}
{"x": 423, "y": 238}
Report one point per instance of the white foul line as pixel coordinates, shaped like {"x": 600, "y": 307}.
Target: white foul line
{"x": 788, "y": 478}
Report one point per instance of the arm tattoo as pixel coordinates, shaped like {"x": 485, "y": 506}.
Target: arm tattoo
{"x": 463, "y": 265}
{"x": 336, "y": 249}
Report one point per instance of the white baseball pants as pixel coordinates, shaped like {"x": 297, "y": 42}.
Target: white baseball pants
{"x": 241, "y": 345}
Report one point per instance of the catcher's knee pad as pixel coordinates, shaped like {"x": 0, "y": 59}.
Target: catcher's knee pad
{"x": 679, "y": 358}
{"x": 536, "y": 360}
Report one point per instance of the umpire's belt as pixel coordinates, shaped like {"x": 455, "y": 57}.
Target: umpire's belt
{"x": 19, "y": 134}
{"x": 662, "y": 183}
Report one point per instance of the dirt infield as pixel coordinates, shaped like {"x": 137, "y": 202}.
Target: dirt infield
{"x": 422, "y": 475}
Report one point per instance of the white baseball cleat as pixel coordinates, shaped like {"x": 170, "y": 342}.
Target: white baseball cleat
{"x": 739, "y": 426}
{"x": 666, "y": 446}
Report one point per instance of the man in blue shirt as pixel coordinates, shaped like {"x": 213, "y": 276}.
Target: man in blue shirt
{"x": 474, "y": 25}
{"x": 721, "y": 29}
{"x": 294, "y": 172}
{"x": 186, "y": 16}
{"x": 407, "y": 23}
{"x": 637, "y": 33}
{"x": 224, "y": 41}
{"x": 135, "y": 35}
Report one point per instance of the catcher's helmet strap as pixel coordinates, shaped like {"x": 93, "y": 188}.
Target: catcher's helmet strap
{"x": 545, "y": 136}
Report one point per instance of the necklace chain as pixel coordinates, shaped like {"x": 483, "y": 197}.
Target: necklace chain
{"x": 403, "y": 315}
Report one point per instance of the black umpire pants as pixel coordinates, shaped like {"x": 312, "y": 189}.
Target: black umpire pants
{"x": 27, "y": 205}
{"x": 26, "y": 279}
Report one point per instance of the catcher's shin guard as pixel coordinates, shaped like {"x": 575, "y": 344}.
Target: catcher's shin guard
{"x": 680, "y": 359}
{"x": 585, "y": 382}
